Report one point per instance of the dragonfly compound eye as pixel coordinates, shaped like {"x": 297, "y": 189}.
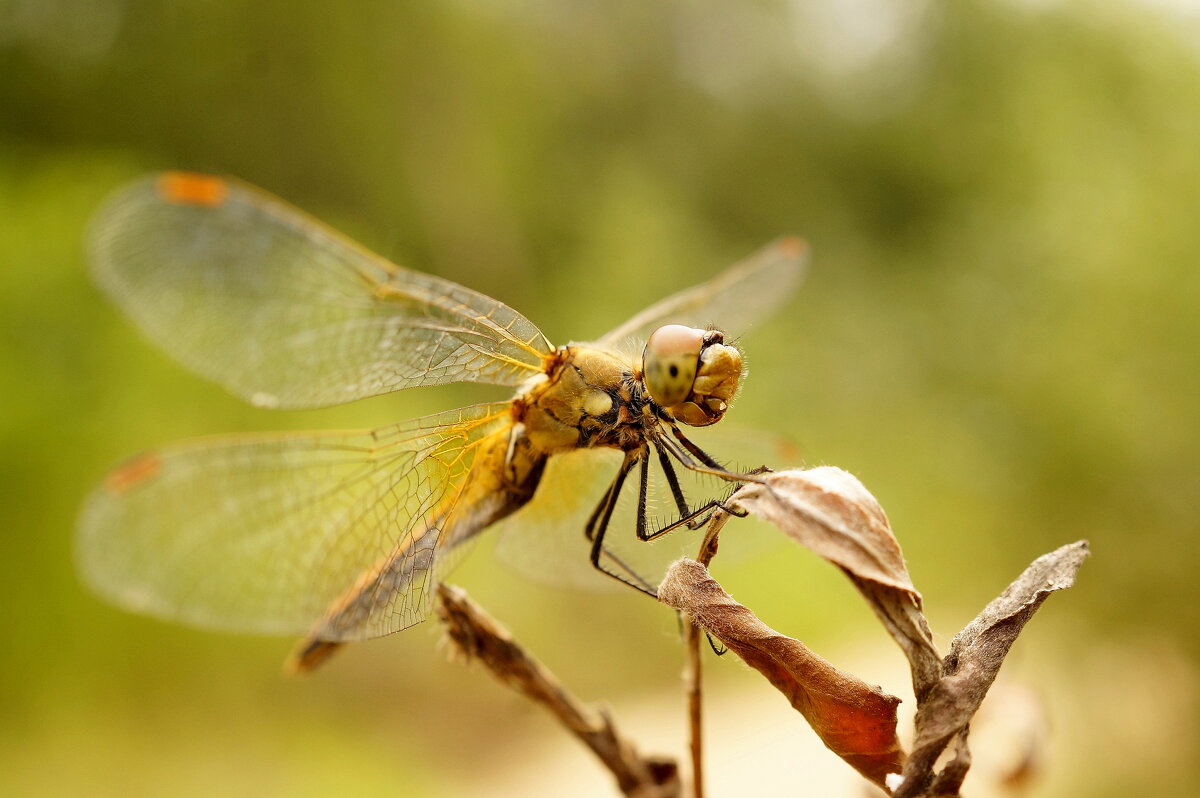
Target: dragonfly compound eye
{"x": 670, "y": 361}
{"x": 693, "y": 373}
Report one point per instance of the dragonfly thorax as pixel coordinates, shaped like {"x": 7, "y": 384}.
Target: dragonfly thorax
{"x": 588, "y": 397}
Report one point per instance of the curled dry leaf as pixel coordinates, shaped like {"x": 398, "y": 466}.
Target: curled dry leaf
{"x": 829, "y": 511}
{"x": 855, "y": 720}
{"x": 968, "y": 671}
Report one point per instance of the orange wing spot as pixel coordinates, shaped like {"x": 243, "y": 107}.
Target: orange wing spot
{"x": 792, "y": 246}
{"x": 128, "y": 476}
{"x": 192, "y": 188}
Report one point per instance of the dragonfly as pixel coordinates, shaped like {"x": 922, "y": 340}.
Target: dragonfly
{"x": 339, "y": 536}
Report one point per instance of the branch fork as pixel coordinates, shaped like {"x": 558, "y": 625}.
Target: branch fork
{"x": 830, "y": 512}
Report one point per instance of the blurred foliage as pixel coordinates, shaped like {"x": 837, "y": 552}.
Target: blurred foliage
{"x": 1000, "y": 333}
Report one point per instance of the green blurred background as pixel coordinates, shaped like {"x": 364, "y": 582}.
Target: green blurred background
{"x": 1000, "y": 336}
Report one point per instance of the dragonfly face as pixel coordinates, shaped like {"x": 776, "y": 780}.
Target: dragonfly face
{"x": 342, "y": 535}
{"x": 692, "y": 373}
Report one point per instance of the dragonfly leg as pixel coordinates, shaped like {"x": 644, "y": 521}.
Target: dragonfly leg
{"x": 702, "y": 462}
{"x": 687, "y": 516}
{"x": 589, "y": 530}
{"x": 694, "y": 458}
{"x": 689, "y": 520}
{"x": 598, "y": 526}
{"x": 672, "y": 478}
{"x": 638, "y": 581}
{"x": 739, "y": 512}
{"x": 687, "y": 461}
{"x": 736, "y": 512}
{"x": 642, "y": 489}
{"x": 694, "y": 519}
{"x": 717, "y": 648}
{"x": 644, "y": 480}
{"x": 702, "y": 455}
{"x": 723, "y": 505}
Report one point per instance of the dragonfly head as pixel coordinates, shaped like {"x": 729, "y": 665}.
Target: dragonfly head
{"x": 691, "y": 373}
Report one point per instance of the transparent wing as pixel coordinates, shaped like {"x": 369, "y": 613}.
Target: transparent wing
{"x": 267, "y": 533}
{"x": 283, "y": 311}
{"x": 746, "y": 292}
{"x": 544, "y": 540}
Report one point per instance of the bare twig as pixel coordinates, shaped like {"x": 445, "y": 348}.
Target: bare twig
{"x": 692, "y": 673}
{"x": 693, "y": 690}
{"x": 478, "y": 636}
{"x": 830, "y": 512}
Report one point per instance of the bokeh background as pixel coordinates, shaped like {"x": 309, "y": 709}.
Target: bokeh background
{"x": 1000, "y": 335}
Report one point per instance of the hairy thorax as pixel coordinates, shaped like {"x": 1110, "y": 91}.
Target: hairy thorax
{"x": 588, "y": 397}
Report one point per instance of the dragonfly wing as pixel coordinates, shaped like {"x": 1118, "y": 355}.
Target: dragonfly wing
{"x": 544, "y": 540}
{"x": 746, "y": 292}
{"x": 285, "y": 312}
{"x": 267, "y": 533}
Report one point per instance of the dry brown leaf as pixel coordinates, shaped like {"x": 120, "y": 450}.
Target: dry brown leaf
{"x": 829, "y": 511}
{"x": 976, "y": 654}
{"x": 855, "y": 720}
